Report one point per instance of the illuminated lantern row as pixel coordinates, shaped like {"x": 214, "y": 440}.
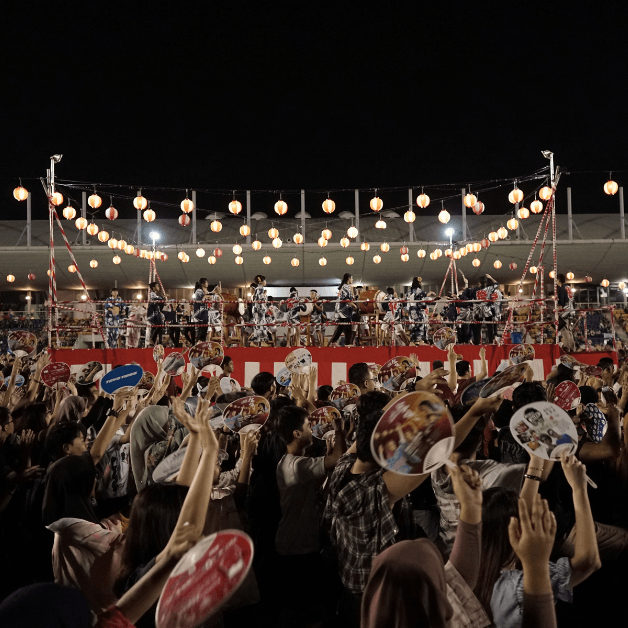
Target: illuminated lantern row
{"x": 523, "y": 213}
{"x": 605, "y": 283}
{"x": 245, "y": 230}
{"x": 111, "y": 213}
{"x": 69, "y": 213}
{"x": 184, "y": 220}
{"x": 478, "y": 208}
{"x": 476, "y": 262}
{"x": 235, "y": 207}
{"x": 438, "y": 253}
{"x": 545, "y": 193}
{"x": 187, "y": 206}
{"x": 20, "y": 194}
{"x": 512, "y": 266}
{"x": 516, "y": 196}
{"x": 409, "y": 216}
{"x": 328, "y": 206}
{"x": 423, "y": 200}
{"x": 536, "y": 207}
{"x": 456, "y": 255}
{"x": 469, "y": 247}
{"x": 376, "y": 204}
{"x": 470, "y": 200}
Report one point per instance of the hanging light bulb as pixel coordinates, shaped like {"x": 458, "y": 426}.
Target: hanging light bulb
{"x": 552, "y": 274}
{"x": 470, "y": 200}
{"x": 405, "y": 257}
{"x": 139, "y": 202}
{"x": 322, "y": 261}
{"x": 181, "y": 255}
{"x": 493, "y": 236}
{"x": 523, "y": 213}
{"x": 377, "y": 259}
{"x": 273, "y": 233}
{"x": 72, "y": 268}
{"x": 512, "y": 266}
{"x": 469, "y": 247}
{"x": 349, "y": 261}
{"x": 10, "y": 278}
{"x": 211, "y": 259}
{"x": 536, "y": 207}
{"x": 20, "y": 194}
{"x": 477, "y": 247}
{"x": 245, "y": 230}
{"x": 239, "y": 260}
{"x": 216, "y": 225}
{"x": 478, "y": 208}
{"x": 365, "y": 246}
{"x": 116, "y": 259}
{"x": 516, "y": 196}
{"x": 384, "y": 247}
{"x": 149, "y": 215}
{"x": 200, "y": 252}
{"x": 237, "y": 249}
{"x": 611, "y": 187}
{"x": 103, "y": 236}
{"x": 432, "y": 256}
{"x": 545, "y": 193}
{"x": 444, "y": 216}
{"x": 277, "y": 242}
{"x": 376, "y": 203}
{"x": 257, "y": 245}
{"x": 129, "y": 249}
{"x": 352, "y": 231}
{"x": 187, "y": 205}
{"x": 326, "y": 233}
{"x": 184, "y": 220}
{"x": 448, "y": 252}
{"x": 281, "y": 207}
{"x": 81, "y": 223}
{"x": 423, "y": 200}
{"x": 218, "y": 252}
{"x": 298, "y": 238}
{"x": 570, "y": 276}
{"x": 322, "y": 241}
{"x": 456, "y": 255}
{"x": 476, "y": 262}
{"x": 409, "y": 216}
{"x": 92, "y": 229}
{"x": 497, "y": 264}
{"x": 121, "y": 244}
{"x": 502, "y": 233}
{"x": 533, "y": 270}
{"x": 267, "y": 259}
{"x": 69, "y": 213}
{"x": 380, "y": 224}
{"x": 486, "y": 243}
{"x": 605, "y": 283}
{"x": 344, "y": 242}
{"x": 111, "y": 213}
{"x": 295, "y": 261}
{"x": 588, "y": 279}
{"x": 94, "y": 263}
{"x": 235, "y": 207}
{"x": 57, "y": 198}
{"x": 94, "y": 201}
{"x": 421, "y": 253}
{"x": 328, "y": 205}
{"x": 438, "y": 253}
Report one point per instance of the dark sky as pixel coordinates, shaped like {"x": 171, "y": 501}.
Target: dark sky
{"x": 315, "y": 95}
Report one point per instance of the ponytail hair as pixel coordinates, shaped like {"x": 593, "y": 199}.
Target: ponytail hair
{"x": 345, "y": 279}
{"x": 199, "y": 283}
{"x": 416, "y": 283}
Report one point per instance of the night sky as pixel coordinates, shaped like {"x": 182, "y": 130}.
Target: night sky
{"x": 317, "y": 95}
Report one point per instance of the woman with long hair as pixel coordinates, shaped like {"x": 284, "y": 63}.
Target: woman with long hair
{"x": 154, "y": 315}
{"x": 417, "y": 310}
{"x": 345, "y": 307}
{"x": 201, "y": 313}
{"x": 261, "y": 314}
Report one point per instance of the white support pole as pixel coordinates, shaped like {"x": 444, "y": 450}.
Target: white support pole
{"x": 84, "y": 214}
{"x": 357, "y": 214}
{"x": 517, "y": 216}
{"x": 569, "y": 220}
{"x": 621, "y": 213}
{"x": 248, "y": 214}
{"x": 464, "y": 213}
{"x": 303, "y": 214}
{"x": 29, "y": 223}
{"x": 194, "y": 217}
{"x": 139, "y": 224}
{"x": 410, "y": 225}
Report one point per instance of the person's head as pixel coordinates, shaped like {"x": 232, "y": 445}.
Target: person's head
{"x": 72, "y": 408}
{"x": 323, "y": 392}
{"x": 588, "y": 394}
{"x": 360, "y": 375}
{"x": 264, "y": 384}
{"x": 293, "y": 425}
{"x": 417, "y": 282}
{"x": 6, "y": 421}
{"x": 313, "y": 295}
{"x": 364, "y": 431}
{"x": 227, "y": 365}
{"x": 463, "y": 369}
{"x": 346, "y": 279}
{"x": 155, "y": 287}
{"x": 153, "y": 518}
{"x": 66, "y": 439}
{"x": 113, "y": 292}
{"x": 390, "y": 291}
{"x": 370, "y": 402}
{"x": 437, "y": 364}
{"x": 498, "y": 506}
{"x": 482, "y": 282}
{"x": 528, "y": 392}
{"x": 293, "y": 292}
{"x": 34, "y": 417}
{"x": 260, "y": 280}
{"x": 607, "y": 365}
{"x": 201, "y": 283}
{"x": 561, "y": 279}
{"x": 561, "y": 374}
{"x": 545, "y": 439}
{"x": 471, "y": 443}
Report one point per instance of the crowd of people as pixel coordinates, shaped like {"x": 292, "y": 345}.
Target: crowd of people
{"x": 89, "y": 532}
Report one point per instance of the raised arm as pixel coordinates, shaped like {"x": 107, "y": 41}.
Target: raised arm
{"x": 480, "y": 408}
{"x": 117, "y": 416}
{"x": 483, "y": 367}
{"x": 452, "y": 380}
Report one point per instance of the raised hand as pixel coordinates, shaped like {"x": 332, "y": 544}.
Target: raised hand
{"x": 180, "y": 412}
{"x": 467, "y": 485}
{"x": 487, "y": 406}
{"x": 248, "y": 443}
{"x": 575, "y": 472}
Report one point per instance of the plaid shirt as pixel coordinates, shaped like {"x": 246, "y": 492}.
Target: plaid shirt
{"x": 360, "y": 522}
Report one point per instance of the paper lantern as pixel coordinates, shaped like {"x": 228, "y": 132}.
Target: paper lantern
{"x": 349, "y": 261}
{"x": 200, "y": 252}
{"x": 129, "y": 249}
{"x": 216, "y": 226}
{"x": 20, "y": 194}
{"x": 273, "y": 233}
{"x": 187, "y": 206}
{"x": 588, "y": 279}
{"x": 72, "y": 268}
{"x": 10, "y": 278}
{"x": 218, "y": 252}
{"x": 235, "y": 207}
{"x": 149, "y": 215}
{"x": 92, "y": 229}
{"x": 281, "y": 207}
{"x": 486, "y": 243}
{"x": 502, "y": 233}
{"x": 497, "y": 264}
{"x": 432, "y": 256}
{"x": 512, "y": 224}
{"x": 469, "y": 247}
{"x": 352, "y": 232}
{"x": 610, "y": 187}
{"x": 116, "y": 259}
{"x": 277, "y": 242}
{"x": 570, "y": 276}
{"x": 545, "y": 193}
{"x": 295, "y": 261}
{"x": 536, "y": 207}
{"x": 523, "y": 213}
{"x": 329, "y": 206}
{"x": 493, "y": 236}
{"x": 31, "y": 276}
{"x": 409, "y": 216}
{"x": 140, "y": 203}
{"x": 211, "y": 259}
{"x": 512, "y": 266}
{"x": 478, "y": 208}
{"x": 380, "y": 224}
{"x": 476, "y": 262}
{"x": 267, "y": 260}
{"x": 384, "y": 247}
{"x": 477, "y": 247}
{"x": 144, "y": 252}
{"x": 605, "y": 282}
{"x": 322, "y": 261}
{"x": 470, "y": 200}
{"x": 456, "y": 255}
{"x": 94, "y": 201}
{"x": 69, "y": 213}
{"x": 377, "y": 259}
{"x": 186, "y": 259}
{"x": 421, "y": 253}
{"x": 463, "y": 251}
{"x": 245, "y": 230}
{"x": 157, "y": 253}
{"x": 405, "y": 257}
{"x": 121, "y": 244}
{"x": 423, "y": 200}
{"x": 56, "y": 199}
{"x": 365, "y": 246}
{"x": 257, "y": 245}
{"x": 376, "y": 204}
{"x": 181, "y": 255}
{"x": 552, "y": 274}
{"x": 239, "y": 260}
{"x": 448, "y": 252}
{"x": 47, "y": 273}
{"x": 621, "y": 285}
{"x": 80, "y": 223}
{"x": 111, "y": 213}
{"x": 444, "y": 216}
{"x": 164, "y": 257}
{"x": 516, "y": 196}
{"x": 403, "y": 250}
{"x": 438, "y": 253}
{"x": 184, "y": 220}
{"x": 94, "y": 263}
{"x": 237, "y": 249}
{"x": 103, "y": 236}
{"x": 322, "y": 241}
{"x": 326, "y": 233}
{"x": 533, "y": 270}
{"x": 345, "y": 242}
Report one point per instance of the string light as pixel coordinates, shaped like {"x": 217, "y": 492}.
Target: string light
{"x": 121, "y": 244}
{"x": 211, "y": 259}
{"x": 273, "y": 233}
{"x": 239, "y": 260}
{"x": 477, "y": 247}
{"x": 478, "y": 208}
{"x": 237, "y": 249}
{"x": 116, "y": 259}
{"x": 94, "y": 201}
{"x": 326, "y": 233}
{"x": 512, "y": 224}
{"x": 184, "y": 220}
{"x": 443, "y": 215}
{"x": 545, "y": 193}
{"x": 103, "y": 236}
{"x": 365, "y": 246}
{"x": 376, "y": 203}
{"x": 380, "y": 224}
{"x": 257, "y": 245}
{"x": 235, "y": 207}
{"x": 409, "y": 216}
{"x": 139, "y": 202}
{"x": 111, "y": 213}
{"x": 328, "y": 205}
{"x": 349, "y": 261}
{"x": 81, "y": 223}
{"x": 277, "y": 242}
{"x": 421, "y": 253}
{"x": 149, "y": 215}
{"x": 187, "y": 205}
{"x": 352, "y": 232}
{"x": 476, "y": 262}
{"x": 69, "y": 213}
{"x": 298, "y": 238}
{"x": 245, "y": 230}
{"x": 423, "y": 200}
{"x": 516, "y": 196}
{"x": 470, "y": 200}
{"x": 200, "y": 252}
{"x": 20, "y": 194}
{"x": 129, "y": 249}
{"x": 493, "y": 237}
{"x": 322, "y": 261}
{"x": 295, "y": 261}
{"x": 92, "y": 229}
{"x": 322, "y": 242}
{"x": 377, "y": 259}
{"x": 281, "y": 207}
{"x": 536, "y": 207}
{"x": 56, "y": 198}
{"x": 216, "y": 225}
{"x": 344, "y": 242}
{"x": 384, "y": 247}
{"x": 497, "y": 264}
{"x": 94, "y": 263}
{"x": 523, "y": 213}
{"x": 267, "y": 260}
